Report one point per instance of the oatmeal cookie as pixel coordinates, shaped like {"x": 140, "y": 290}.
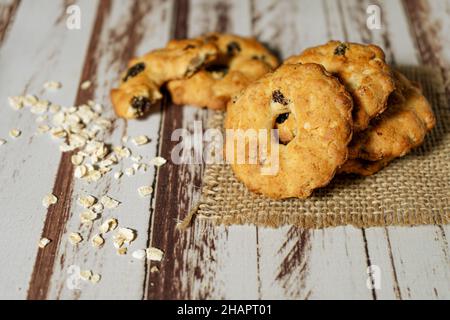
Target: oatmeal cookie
{"x": 141, "y": 83}
{"x": 363, "y": 71}
{"x": 321, "y": 109}
{"x": 240, "y": 61}
{"x": 402, "y": 127}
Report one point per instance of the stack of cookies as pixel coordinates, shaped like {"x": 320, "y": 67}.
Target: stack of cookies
{"x": 336, "y": 108}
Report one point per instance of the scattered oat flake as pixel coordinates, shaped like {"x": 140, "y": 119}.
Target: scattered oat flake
{"x": 155, "y": 254}
{"x": 88, "y": 216}
{"x": 86, "y": 275}
{"x": 86, "y": 201}
{"x": 16, "y": 102}
{"x": 97, "y": 241}
{"x": 108, "y": 225}
{"x": 158, "y": 161}
{"x": 96, "y": 278}
{"x": 75, "y": 238}
{"x": 15, "y": 133}
{"x": 154, "y": 269}
{"x": 122, "y": 251}
{"x": 109, "y": 202}
{"x": 130, "y": 172}
{"x": 80, "y": 171}
{"x": 118, "y": 175}
{"x": 139, "y": 254}
{"x": 43, "y": 128}
{"x": 128, "y": 235}
{"x": 44, "y": 242}
{"x": 136, "y": 158}
{"x": 125, "y": 139}
{"x": 98, "y": 207}
{"x": 2, "y": 142}
{"x": 86, "y": 85}
{"x": 140, "y": 140}
{"x": 49, "y": 200}
{"x": 53, "y": 85}
{"x": 77, "y": 159}
{"x": 145, "y": 191}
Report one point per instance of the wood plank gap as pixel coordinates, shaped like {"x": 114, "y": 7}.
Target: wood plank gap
{"x": 369, "y": 263}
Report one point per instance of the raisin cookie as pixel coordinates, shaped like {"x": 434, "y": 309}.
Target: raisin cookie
{"x": 321, "y": 109}
{"x": 399, "y": 129}
{"x": 363, "y": 71}
{"x": 240, "y": 61}
{"x": 141, "y": 83}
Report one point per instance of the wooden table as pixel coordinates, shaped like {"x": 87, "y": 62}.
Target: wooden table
{"x": 238, "y": 262}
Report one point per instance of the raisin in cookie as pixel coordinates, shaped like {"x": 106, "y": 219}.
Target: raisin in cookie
{"x": 140, "y": 84}
{"x": 399, "y": 129}
{"x": 321, "y": 109}
{"x": 363, "y": 71}
{"x": 240, "y": 61}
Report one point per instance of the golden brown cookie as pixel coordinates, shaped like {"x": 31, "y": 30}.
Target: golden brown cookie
{"x": 363, "y": 167}
{"x": 240, "y": 61}
{"x": 140, "y": 84}
{"x": 399, "y": 129}
{"x": 363, "y": 71}
{"x": 322, "y": 111}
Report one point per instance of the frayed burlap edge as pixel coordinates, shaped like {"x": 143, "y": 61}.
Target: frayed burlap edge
{"x": 224, "y": 200}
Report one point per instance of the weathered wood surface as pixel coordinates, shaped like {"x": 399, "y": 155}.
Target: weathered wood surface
{"x": 239, "y": 262}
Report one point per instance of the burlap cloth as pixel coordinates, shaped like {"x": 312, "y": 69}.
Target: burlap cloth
{"x": 410, "y": 191}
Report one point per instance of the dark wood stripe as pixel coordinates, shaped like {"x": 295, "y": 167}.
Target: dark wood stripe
{"x": 7, "y": 15}
{"x": 368, "y": 260}
{"x": 294, "y": 268}
{"x": 425, "y": 32}
{"x": 171, "y": 200}
{"x": 58, "y": 215}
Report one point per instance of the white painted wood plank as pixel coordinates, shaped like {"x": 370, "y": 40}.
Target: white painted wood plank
{"x": 38, "y": 48}
{"x": 317, "y": 264}
{"x": 122, "y": 277}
